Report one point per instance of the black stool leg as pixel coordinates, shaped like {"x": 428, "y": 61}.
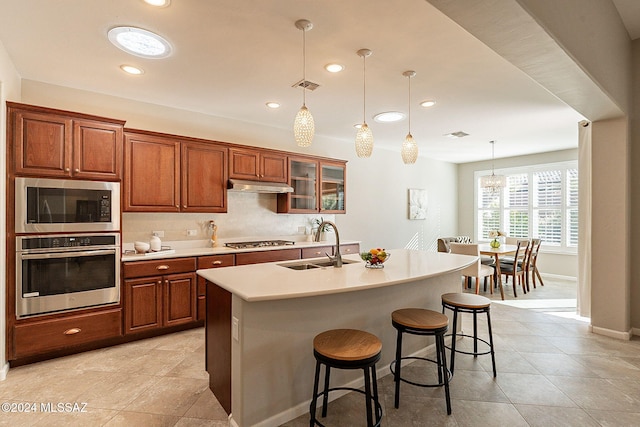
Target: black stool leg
{"x": 439, "y": 357}
{"x": 312, "y": 421}
{"x": 475, "y": 333}
{"x": 493, "y": 356}
{"x": 440, "y": 349}
{"x": 375, "y": 392}
{"x": 453, "y": 338}
{"x": 398, "y": 364}
{"x": 368, "y": 395}
{"x": 325, "y": 397}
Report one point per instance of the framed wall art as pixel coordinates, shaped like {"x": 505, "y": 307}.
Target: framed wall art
{"x": 417, "y": 203}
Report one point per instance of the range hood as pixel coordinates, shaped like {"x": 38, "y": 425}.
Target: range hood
{"x": 259, "y": 186}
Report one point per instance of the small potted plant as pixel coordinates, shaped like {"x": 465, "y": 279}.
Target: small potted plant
{"x": 494, "y": 234}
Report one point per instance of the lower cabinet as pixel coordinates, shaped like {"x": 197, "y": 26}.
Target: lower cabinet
{"x": 244, "y": 258}
{"x": 209, "y": 261}
{"x": 162, "y": 300}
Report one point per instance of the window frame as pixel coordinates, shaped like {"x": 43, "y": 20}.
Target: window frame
{"x": 564, "y": 247}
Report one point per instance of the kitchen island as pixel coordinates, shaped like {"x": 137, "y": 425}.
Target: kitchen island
{"x": 261, "y": 320}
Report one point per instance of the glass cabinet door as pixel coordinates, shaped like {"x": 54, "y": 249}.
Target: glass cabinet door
{"x": 332, "y": 187}
{"x": 304, "y": 180}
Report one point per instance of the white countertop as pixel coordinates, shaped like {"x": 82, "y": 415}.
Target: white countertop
{"x": 181, "y": 252}
{"x": 271, "y": 281}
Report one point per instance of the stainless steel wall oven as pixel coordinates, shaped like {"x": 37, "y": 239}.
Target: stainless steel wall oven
{"x": 65, "y": 272}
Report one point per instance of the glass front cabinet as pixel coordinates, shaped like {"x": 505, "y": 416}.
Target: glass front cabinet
{"x": 318, "y": 186}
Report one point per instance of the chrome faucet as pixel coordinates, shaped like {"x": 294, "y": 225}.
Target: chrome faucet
{"x": 337, "y": 259}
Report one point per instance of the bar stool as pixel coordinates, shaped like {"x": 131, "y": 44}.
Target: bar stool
{"x": 469, "y": 303}
{"x": 419, "y": 321}
{"x": 347, "y": 349}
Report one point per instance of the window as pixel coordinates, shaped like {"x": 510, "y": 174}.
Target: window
{"x": 538, "y": 201}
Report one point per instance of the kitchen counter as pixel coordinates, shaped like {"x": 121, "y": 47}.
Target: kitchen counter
{"x": 182, "y": 249}
{"x": 261, "y": 320}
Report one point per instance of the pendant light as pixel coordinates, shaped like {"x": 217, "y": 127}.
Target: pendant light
{"x": 409, "y": 147}
{"x": 364, "y": 137}
{"x": 494, "y": 183}
{"x": 303, "y": 126}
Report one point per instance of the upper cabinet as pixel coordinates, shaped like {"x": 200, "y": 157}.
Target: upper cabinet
{"x": 318, "y": 186}
{"x": 167, "y": 174}
{"x": 257, "y": 165}
{"x": 54, "y": 143}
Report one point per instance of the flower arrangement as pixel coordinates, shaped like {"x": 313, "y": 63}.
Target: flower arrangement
{"x": 494, "y": 234}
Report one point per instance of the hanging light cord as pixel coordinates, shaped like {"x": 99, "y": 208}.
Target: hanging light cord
{"x": 410, "y": 105}
{"x": 492, "y": 157}
{"x": 364, "y": 89}
{"x": 304, "y": 67}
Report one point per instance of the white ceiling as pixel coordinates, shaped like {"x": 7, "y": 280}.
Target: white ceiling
{"x": 231, "y": 57}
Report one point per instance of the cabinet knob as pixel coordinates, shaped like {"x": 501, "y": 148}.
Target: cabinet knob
{"x": 72, "y": 331}
{"x": 184, "y": 206}
{"x": 76, "y": 170}
{"x": 66, "y": 169}
{"x": 178, "y": 206}
{"x": 216, "y": 262}
{"x": 159, "y": 282}
{"x": 162, "y": 267}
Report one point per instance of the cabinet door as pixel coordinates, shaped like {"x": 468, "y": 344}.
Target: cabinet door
{"x": 353, "y": 248}
{"x": 152, "y": 174}
{"x": 273, "y": 167}
{"x": 204, "y": 178}
{"x": 210, "y": 261}
{"x": 42, "y": 144}
{"x": 303, "y": 177}
{"x": 142, "y": 304}
{"x": 332, "y": 188}
{"x": 244, "y": 258}
{"x": 244, "y": 164}
{"x": 179, "y": 299}
{"x": 97, "y": 150}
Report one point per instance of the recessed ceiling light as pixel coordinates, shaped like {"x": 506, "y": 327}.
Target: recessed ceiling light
{"x": 139, "y": 42}
{"x": 389, "y": 116}
{"x": 458, "y": 134}
{"x": 158, "y": 3}
{"x": 334, "y": 68}
{"x": 428, "y": 103}
{"x": 131, "y": 69}
{"x": 273, "y": 105}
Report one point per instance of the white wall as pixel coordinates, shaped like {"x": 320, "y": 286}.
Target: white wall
{"x": 377, "y": 188}
{"x": 557, "y": 264}
{"x": 9, "y": 89}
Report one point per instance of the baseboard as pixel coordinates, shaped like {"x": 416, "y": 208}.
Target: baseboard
{"x": 559, "y": 277}
{"x": 303, "y": 408}
{"x": 635, "y": 331}
{"x": 4, "y": 371}
{"x": 626, "y": 336}
{"x": 232, "y": 422}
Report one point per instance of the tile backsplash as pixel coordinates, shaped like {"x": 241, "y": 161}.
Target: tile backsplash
{"x": 248, "y": 215}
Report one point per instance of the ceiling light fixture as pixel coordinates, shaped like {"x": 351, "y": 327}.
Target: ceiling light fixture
{"x": 272, "y": 105}
{"x": 456, "y": 135}
{"x": 130, "y": 69}
{"x": 139, "y": 42}
{"x": 428, "y": 103}
{"x": 158, "y": 3}
{"x": 303, "y": 125}
{"x": 389, "y": 117}
{"x": 494, "y": 183}
{"x": 364, "y": 136}
{"x": 334, "y": 68}
{"x": 409, "y": 147}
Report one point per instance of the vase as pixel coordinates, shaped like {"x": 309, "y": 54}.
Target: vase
{"x": 495, "y": 243}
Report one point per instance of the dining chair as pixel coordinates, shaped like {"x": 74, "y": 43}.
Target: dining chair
{"x": 517, "y": 268}
{"x": 533, "y": 258}
{"x": 476, "y": 270}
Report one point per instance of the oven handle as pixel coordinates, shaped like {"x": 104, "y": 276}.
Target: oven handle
{"x": 68, "y": 254}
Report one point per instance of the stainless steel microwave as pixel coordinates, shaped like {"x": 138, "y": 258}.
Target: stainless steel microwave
{"x": 45, "y": 205}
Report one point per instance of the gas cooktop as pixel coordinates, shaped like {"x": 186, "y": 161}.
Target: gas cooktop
{"x": 258, "y": 244}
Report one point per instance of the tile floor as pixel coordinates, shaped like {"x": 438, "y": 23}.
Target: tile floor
{"x": 551, "y": 372}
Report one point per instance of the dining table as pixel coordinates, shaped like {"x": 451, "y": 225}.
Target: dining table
{"x": 496, "y": 253}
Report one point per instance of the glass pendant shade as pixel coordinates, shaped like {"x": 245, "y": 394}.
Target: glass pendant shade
{"x": 303, "y": 127}
{"x": 409, "y": 150}
{"x": 364, "y": 141}
{"x": 494, "y": 183}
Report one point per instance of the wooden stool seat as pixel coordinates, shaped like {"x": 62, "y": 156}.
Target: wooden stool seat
{"x": 419, "y": 318}
{"x": 470, "y": 301}
{"x": 347, "y": 344}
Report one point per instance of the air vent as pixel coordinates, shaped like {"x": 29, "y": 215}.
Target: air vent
{"x": 306, "y": 84}
{"x": 458, "y": 134}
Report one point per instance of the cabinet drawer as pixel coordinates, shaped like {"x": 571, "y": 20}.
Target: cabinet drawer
{"x": 245, "y": 258}
{"x": 56, "y": 334}
{"x": 317, "y": 251}
{"x": 350, "y": 249}
{"x": 161, "y": 266}
{"x": 216, "y": 261}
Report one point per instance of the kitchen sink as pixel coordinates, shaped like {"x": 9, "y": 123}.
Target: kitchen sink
{"x": 309, "y": 265}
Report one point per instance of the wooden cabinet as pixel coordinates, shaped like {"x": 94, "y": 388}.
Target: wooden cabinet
{"x": 257, "y": 165}
{"x": 62, "y": 144}
{"x": 244, "y": 258}
{"x": 159, "y": 293}
{"x": 210, "y": 261}
{"x": 353, "y": 248}
{"x": 166, "y": 174}
{"x": 318, "y": 186}
{"x": 317, "y": 251}
{"x": 60, "y": 333}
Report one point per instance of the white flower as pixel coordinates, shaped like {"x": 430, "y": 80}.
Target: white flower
{"x": 493, "y": 234}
